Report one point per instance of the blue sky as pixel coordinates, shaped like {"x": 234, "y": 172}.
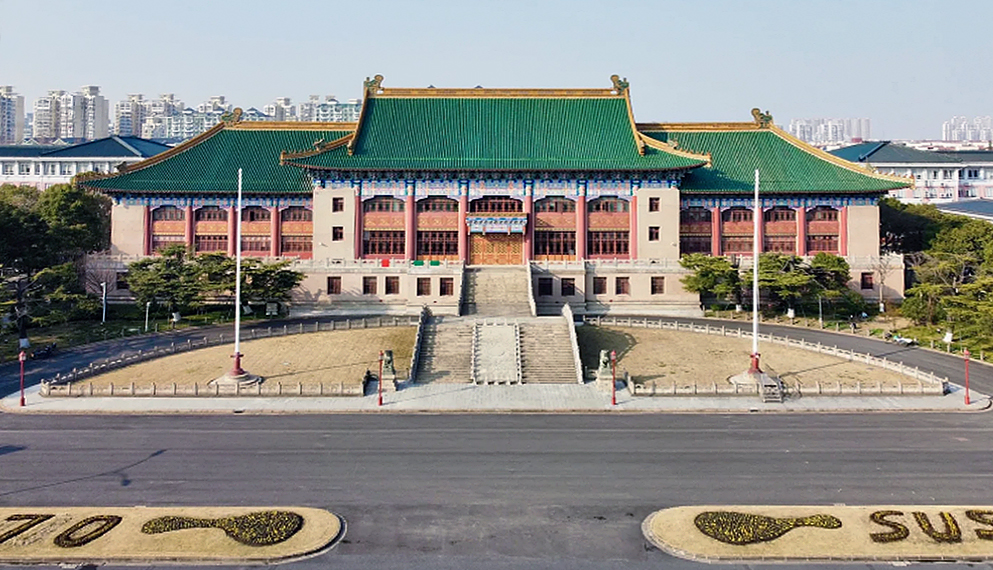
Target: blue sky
{"x": 906, "y": 64}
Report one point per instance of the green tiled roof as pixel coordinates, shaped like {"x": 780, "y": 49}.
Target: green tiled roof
{"x": 496, "y": 133}
{"x": 211, "y": 165}
{"x": 784, "y": 167}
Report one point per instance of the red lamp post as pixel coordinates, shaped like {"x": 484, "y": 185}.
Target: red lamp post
{"x": 22, "y": 357}
{"x": 613, "y": 377}
{"x": 966, "y": 354}
{"x": 380, "y": 383}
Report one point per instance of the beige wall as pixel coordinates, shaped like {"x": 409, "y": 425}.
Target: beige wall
{"x": 127, "y": 230}
{"x": 887, "y": 272}
{"x": 312, "y": 294}
{"x": 325, "y": 220}
{"x": 863, "y": 231}
{"x": 667, "y": 219}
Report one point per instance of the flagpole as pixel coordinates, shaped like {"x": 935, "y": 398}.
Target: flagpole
{"x": 756, "y": 248}
{"x": 237, "y": 370}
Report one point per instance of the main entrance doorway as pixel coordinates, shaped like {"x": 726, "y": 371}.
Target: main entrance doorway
{"x": 496, "y": 249}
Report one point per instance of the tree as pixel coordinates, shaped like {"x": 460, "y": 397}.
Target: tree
{"x": 830, "y": 271}
{"x": 712, "y": 277}
{"x": 79, "y": 219}
{"x": 171, "y": 279}
{"x": 785, "y": 277}
{"x": 269, "y": 282}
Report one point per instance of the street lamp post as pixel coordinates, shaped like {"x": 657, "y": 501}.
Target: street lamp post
{"x": 756, "y": 250}
{"x": 966, "y": 355}
{"x": 820, "y": 312}
{"x": 103, "y": 287}
{"x": 613, "y": 377}
{"x": 148, "y": 305}
{"x": 22, "y": 357}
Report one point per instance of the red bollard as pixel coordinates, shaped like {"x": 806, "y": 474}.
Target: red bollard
{"x": 966, "y": 354}
{"x": 613, "y": 378}
{"x": 380, "y": 378}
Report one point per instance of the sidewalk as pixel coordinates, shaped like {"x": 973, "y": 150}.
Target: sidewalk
{"x": 467, "y": 398}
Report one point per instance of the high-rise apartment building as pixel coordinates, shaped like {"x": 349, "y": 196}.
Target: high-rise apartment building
{"x": 828, "y": 131}
{"x": 330, "y": 110}
{"x": 130, "y": 114}
{"x": 282, "y": 109}
{"x": 47, "y": 116}
{"x": 11, "y": 116}
{"x": 962, "y": 129}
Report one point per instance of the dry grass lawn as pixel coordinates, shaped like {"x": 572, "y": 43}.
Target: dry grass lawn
{"x": 690, "y": 359}
{"x": 328, "y": 357}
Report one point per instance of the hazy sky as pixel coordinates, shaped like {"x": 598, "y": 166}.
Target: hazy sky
{"x": 906, "y": 64}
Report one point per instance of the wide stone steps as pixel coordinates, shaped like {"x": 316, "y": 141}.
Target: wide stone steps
{"x": 496, "y": 292}
{"x": 546, "y": 353}
{"x": 445, "y": 353}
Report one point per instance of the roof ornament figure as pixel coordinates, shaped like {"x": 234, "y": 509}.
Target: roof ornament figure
{"x": 764, "y": 120}
{"x": 374, "y": 85}
{"x": 620, "y": 85}
{"x": 232, "y": 117}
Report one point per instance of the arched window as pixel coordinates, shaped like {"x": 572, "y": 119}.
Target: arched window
{"x": 297, "y": 214}
{"x": 612, "y": 205}
{"x": 555, "y": 204}
{"x": 437, "y": 204}
{"x": 383, "y": 204}
{"x": 495, "y": 205}
{"x": 780, "y": 214}
{"x": 737, "y": 215}
{"x": 211, "y": 214}
{"x": 255, "y": 214}
{"x": 822, "y": 214}
{"x": 694, "y": 215}
{"x": 167, "y": 213}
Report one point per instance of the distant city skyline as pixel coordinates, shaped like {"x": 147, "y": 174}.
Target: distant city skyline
{"x": 685, "y": 60}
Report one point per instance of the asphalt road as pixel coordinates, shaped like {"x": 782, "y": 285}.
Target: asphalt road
{"x": 496, "y": 491}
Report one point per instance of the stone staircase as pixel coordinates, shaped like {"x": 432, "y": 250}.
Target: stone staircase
{"x": 546, "y": 352}
{"x": 496, "y": 292}
{"x": 446, "y": 351}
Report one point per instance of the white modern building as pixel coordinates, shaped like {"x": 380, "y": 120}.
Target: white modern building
{"x": 44, "y": 166}
{"x": 940, "y": 177}
{"x": 11, "y": 116}
{"x": 282, "y": 109}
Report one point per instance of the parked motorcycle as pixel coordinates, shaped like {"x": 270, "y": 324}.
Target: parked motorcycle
{"x": 44, "y": 352}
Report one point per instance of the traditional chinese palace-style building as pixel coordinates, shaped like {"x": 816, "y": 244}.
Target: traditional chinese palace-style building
{"x": 562, "y": 186}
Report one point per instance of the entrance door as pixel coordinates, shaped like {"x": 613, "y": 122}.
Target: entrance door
{"x": 496, "y": 249}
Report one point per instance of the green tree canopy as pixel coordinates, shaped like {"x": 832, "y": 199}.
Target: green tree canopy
{"x": 712, "y": 277}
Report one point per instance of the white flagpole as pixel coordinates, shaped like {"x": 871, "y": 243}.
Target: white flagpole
{"x": 756, "y": 248}
{"x": 237, "y": 371}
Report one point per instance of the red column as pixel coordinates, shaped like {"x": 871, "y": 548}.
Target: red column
{"x": 843, "y": 231}
{"x": 580, "y": 227}
{"x": 463, "y": 228}
{"x": 232, "y": 231}
{"x": 410, "y": 225}
{"x": 275, "y": 232}
{"x": 715, "y": 231}
{"x": 761, "y": 226}
{"x": 146, "y": 246}
{"x": 358, "y": 225}
{"x": 633, "y": 247}
{"x": 188, "y": 234}
{"x": 529, "y": 228}
{"x": 801, "y": 231}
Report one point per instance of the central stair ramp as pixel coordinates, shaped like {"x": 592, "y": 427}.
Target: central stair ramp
{"x": 496, "y": 352}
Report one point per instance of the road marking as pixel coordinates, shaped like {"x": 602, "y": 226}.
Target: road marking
{"x": 900, "y": 533}
{"x": 140, "y": 535}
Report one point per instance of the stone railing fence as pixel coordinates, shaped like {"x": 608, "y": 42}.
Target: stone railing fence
{"x": 927, "y": 383}
{"x": 59, "y": 385}
{"x": 531, "y": 303}
{"x": 570, "y": 322}
{"x": 415, "y": 355}
{"x": 169, "y": 389}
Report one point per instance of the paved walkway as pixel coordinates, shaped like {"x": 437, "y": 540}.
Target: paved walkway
{"x": 556, "y": 398}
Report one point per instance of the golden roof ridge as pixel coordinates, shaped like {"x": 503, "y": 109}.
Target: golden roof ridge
{"x": 837, "y": 160}
{"x": 374, "y": 88}
{"x": 319, "y": 147}
{"x": 671, "y": 149}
